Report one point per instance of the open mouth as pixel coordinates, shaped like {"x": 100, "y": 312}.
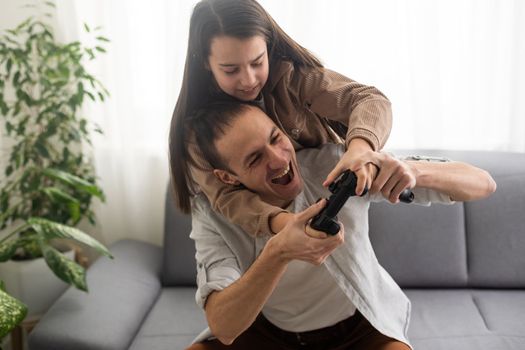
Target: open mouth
{"x": 284, "y": 177}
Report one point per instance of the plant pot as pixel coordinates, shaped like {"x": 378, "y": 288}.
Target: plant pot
{"x": 32, "y": 282}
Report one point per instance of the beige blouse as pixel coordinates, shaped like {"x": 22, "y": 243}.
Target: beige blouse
{"x": 313, "y": 107}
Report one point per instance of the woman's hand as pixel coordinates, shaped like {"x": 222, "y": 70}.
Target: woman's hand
{"x": 358, "y": 159}
{"x": 378, "y": 171}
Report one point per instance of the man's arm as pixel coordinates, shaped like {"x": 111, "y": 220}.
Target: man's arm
{"x": 232, "y": 310}
{"x": 460, "y": 181}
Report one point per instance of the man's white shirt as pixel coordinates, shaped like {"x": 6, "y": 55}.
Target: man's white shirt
{"x": 225, "y": 252}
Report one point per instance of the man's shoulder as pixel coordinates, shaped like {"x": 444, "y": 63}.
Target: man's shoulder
{"x": 206, "y": 220}
{"x": 319, "y": 160}
{"x": 202, "y": 212}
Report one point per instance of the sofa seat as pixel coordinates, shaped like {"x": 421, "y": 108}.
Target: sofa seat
{"x": 467, "y": 318}
{"x": 173, "y": 322}
{"x": 462, "y": 266}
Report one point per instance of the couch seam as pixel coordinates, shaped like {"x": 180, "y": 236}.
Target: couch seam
{"x": 480, "y": 313}
{"x": 467, "y": 255}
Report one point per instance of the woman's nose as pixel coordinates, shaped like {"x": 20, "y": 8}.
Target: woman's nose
{"x": 248, "y": 78}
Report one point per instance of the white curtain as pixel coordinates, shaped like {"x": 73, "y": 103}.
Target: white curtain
{"x": 453, "y": 69}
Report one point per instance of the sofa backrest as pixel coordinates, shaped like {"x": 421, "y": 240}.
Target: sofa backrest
{"x": 472, "y": 244}
{"x": 178, "y": 264}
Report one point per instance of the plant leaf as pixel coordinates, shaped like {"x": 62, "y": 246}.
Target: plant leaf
{"x": 74, "y": 181}
{"x": 13, "y": 312}
{"x": 65, "y": 269}
{"x": 50, "y": 230}
{"x": 42, "y": 150}
{"x": 8, "y": 249}
{"x": 58, "y": 196}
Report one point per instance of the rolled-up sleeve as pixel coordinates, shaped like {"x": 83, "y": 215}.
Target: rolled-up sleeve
{"x": 422, "y": 196}
{"x": 217, "y": 266}
{"x": 425, "y": 196}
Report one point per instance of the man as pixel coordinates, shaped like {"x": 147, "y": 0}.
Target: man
{"x": 300, "y": 289}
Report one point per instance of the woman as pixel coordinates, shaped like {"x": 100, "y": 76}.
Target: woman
{"x": 237, "y": 51}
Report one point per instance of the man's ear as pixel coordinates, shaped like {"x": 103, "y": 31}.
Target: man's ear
{"x": 226, "y": 177}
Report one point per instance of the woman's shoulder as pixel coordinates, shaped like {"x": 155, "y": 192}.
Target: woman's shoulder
{"x": 280, "y": 71}
{"x": 288, "y": 74}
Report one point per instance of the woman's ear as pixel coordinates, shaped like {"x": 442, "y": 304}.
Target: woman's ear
{"x": 226, "y": 177}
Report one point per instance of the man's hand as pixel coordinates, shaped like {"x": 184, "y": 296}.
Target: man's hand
{"x": 378, "y": 171}
{"x": 393, "y": 178}
{"x": 293, "y": 243}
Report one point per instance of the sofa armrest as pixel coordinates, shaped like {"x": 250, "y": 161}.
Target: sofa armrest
{"x": 121, "y": 293}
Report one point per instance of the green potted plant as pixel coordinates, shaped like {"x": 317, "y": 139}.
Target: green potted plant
{"x": 48, "y": 183}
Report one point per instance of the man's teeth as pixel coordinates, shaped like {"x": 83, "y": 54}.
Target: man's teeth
{"x": 284, "y": 172}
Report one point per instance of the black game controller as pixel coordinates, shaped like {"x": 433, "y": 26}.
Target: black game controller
{"x": 342, "y": 189}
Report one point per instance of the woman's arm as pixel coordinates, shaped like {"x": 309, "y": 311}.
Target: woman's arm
{"x": 240, "y": 206}
{"x": 364, "y": 109}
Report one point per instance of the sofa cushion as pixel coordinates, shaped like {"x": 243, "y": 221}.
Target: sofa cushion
{"x": 172, "y": 323}
{"x": 178, "y": 266}
{"x": 121, "y": 292}
{"x": 496, "y": 235}
{"x": 467, "y": 319}
{"x": 414, "y": 250}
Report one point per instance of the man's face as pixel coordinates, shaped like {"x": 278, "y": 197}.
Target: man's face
{"x": 260, "y": 157}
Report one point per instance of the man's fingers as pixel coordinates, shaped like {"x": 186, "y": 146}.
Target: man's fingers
{"x": 314, "y": 233}
{"x": 401, "y": 185}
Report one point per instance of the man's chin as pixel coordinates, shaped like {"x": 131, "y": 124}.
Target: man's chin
{"x": 284, "y": 195}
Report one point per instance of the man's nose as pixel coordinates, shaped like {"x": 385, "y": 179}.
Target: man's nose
{"x": 277, "y": 158}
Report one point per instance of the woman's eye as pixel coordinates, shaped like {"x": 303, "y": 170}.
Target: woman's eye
{"x": 230, "y": 72}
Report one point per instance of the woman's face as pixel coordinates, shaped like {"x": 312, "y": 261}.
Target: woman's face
{"x": 239, "y": 66}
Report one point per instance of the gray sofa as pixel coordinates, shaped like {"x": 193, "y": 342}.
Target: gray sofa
{"x": 462, "y": 266}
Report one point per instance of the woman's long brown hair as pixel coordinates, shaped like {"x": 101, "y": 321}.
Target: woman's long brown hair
{"x": 211, "y": 18}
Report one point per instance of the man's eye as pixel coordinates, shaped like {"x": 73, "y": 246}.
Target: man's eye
{"x": 254, "y": 161}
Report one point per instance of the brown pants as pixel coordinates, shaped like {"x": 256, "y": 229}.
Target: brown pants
{"x": 355, "y": 333}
